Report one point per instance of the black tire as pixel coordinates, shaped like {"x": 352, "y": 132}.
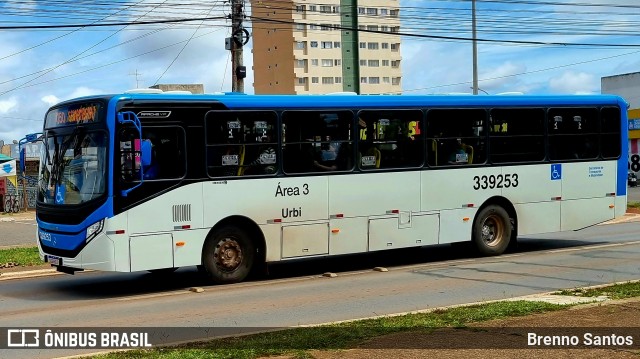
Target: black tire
{"x": 491, "y": 231}
{"x": 228, "y": 255}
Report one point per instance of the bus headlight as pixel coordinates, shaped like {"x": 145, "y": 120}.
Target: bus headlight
{"x": 94, "y": 229}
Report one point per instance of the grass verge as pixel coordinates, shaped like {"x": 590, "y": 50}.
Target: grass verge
{"x": 297, "y": 341}
{"x": 617, "y": 291}
{"x": 19, "y": 256}
{"x": 633, "y": 205}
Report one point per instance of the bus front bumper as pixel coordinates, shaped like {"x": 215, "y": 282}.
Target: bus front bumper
{"x": 98, "y": 254}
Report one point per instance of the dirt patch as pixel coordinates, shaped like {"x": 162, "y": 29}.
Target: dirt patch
{"x": 613, "y": 317}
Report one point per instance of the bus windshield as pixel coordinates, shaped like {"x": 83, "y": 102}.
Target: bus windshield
{"x": 72, "y": 167}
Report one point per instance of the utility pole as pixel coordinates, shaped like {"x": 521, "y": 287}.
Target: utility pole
{"x": 475, "y": 47}
{"x": 239, "y": 38}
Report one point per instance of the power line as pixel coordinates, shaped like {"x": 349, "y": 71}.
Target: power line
{"x": 181, "y": 50}
{"x": 457, "y": 38}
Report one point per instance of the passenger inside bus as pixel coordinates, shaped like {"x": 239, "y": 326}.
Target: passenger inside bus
{"x": 460, "y": 154}
{"x": 265, "y": 161}
{"x": 326, "y": 158}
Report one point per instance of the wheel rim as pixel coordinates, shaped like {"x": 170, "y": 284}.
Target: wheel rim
{"x": 492, "y": 230}
{"x": 228, "y": 255}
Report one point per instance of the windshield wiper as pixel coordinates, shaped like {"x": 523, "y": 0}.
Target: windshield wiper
{"x": 59, "y": 165}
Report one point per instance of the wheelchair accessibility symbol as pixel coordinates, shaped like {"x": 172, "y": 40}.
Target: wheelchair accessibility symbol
{"x": 556, "y": 172}
{"x": 60, "y": 194}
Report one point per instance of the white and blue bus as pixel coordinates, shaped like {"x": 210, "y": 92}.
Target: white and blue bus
{"x": 231, "y": 182}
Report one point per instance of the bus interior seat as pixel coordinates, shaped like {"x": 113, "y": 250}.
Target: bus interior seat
{"x": 469, "y": 150}
{"x": 373, "y": 151}
{"x": 241, "y": 160}
{"x": 434, "y": 152}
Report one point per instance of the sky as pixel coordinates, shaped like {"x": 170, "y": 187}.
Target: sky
{"x": 528, "y": 46}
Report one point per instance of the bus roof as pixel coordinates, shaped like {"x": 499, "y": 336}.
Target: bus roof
{"x": 242, "y": 101}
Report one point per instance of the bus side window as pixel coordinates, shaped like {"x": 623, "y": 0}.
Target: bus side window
{"x": 241, "y": 143}
{"x": 168, "y": 159}
{"x": 394, "y": 139}
{"x": 573, "y": 133}
{"x": 456, "y": 136}
{"x": 318, "y": 141}
{"x": 517, "y": 135}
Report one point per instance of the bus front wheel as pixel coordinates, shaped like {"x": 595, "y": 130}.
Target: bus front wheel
{"x": 492, "y": 230}
{"x": 228, "y": 255}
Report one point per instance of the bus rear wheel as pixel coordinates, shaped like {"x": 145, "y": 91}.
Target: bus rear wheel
{"x": 492, "y": 230}
{"x": 228, "y": 255}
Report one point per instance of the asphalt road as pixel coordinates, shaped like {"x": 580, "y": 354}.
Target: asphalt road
{"x": 297, "y": 294}
{"x": 17, "y": 230}
{"x": 633, "y": 194}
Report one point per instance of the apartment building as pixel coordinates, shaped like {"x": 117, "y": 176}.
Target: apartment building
{"x": 310, "y": 47}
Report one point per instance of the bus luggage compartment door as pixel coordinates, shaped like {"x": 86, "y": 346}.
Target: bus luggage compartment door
{"x": 396, "y": 232}
{"x": 299, "y": 240}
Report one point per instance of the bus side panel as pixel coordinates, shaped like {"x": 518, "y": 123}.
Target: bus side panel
{"x": 403, "y": 230}
{"x": 348, "y": 235}
{"x": 456, "y": 225}
{"x": 457, "y": 188}
{"x": 179, "y": 207}
{"x": 529, "y": 184}
{"x": 581, "y": 213}
{"x": 151, "y": 251}
{"x": 538, "y": 217}
{"x": 535, "y": 196}
{"x": 291, "y": 199}
{"x": 272, "y": 237}
{"x": 621, "y": 205}
{"x": 190, "y": 251}
{"x": 305, "y": 239}
{"x": 113, "y": 225}
{"x": 588, "y": 179}
{"x": 587, "y": 193}
{"x": 373, "y": 194}
{"x": 98, "y": 255}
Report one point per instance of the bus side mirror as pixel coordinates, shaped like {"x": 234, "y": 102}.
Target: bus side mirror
{"x": 145, "y": 153}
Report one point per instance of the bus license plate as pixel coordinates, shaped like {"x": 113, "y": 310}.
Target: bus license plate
{"x": 55, "y": 261}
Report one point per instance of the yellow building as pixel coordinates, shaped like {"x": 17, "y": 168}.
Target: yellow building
{"x": 634, "y": 123}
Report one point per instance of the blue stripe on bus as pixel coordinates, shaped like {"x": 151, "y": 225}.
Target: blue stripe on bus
{"x": 67, "y": 242}
{"x": 380, "y": 101}
{"x": 75, "y": 234}
{"x": 623, "y": 161}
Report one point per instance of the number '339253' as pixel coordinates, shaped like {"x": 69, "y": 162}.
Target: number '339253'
{"x": 500, "y": 181}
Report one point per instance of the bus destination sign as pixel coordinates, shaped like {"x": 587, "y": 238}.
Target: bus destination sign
{"x": 73, "y": 115}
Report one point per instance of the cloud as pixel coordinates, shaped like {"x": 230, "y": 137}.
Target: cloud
{"x": 83, "y": 91}
{"x": 575, "y": 83}
{"x": 50, "y": 100}
{"x": 7, "y": 105}
{"x": 501, "y": 78}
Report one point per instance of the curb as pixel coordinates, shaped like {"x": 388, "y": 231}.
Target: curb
{"x": 28, "y": 274}
{"x": 628, "y": 217}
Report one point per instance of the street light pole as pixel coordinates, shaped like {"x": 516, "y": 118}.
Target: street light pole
{"x": 475, "y": 47}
